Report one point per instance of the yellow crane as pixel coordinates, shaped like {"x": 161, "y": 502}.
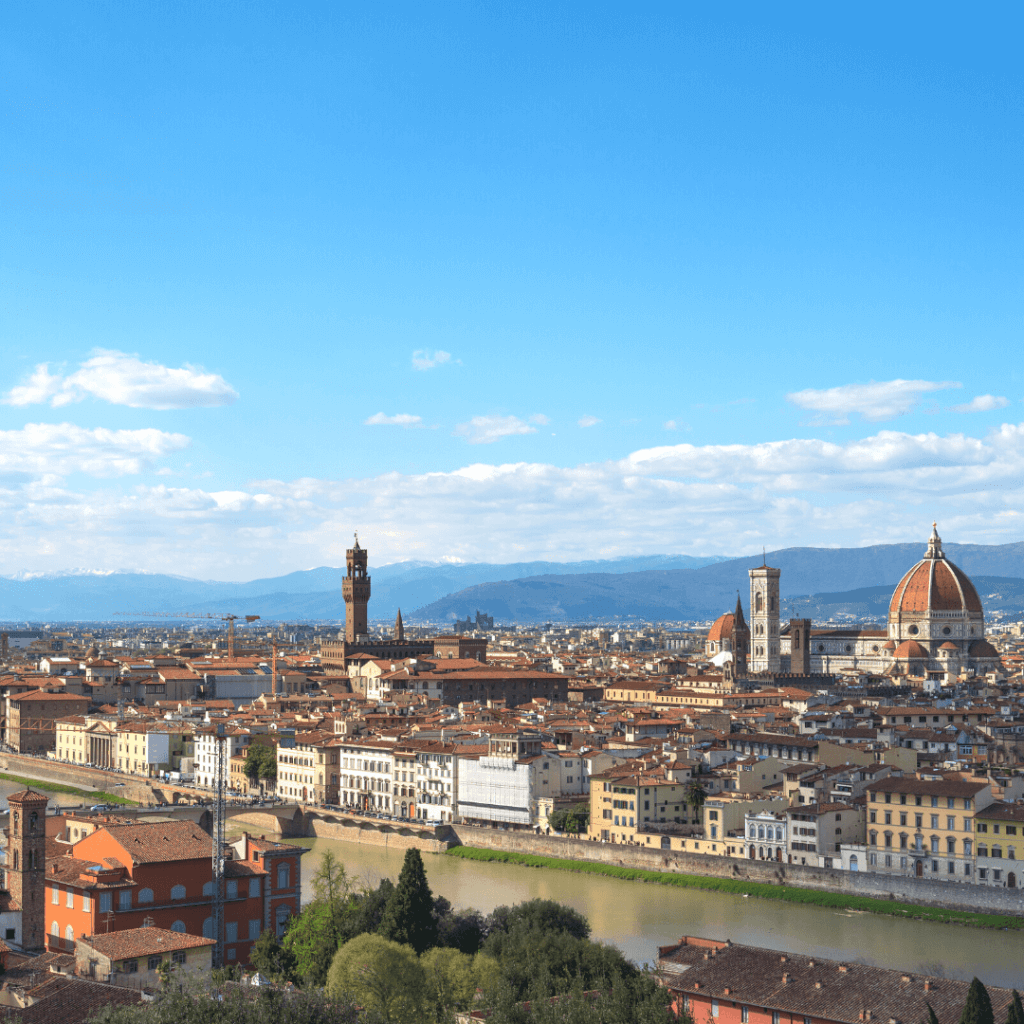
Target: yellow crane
{"x": 229, "y": 619}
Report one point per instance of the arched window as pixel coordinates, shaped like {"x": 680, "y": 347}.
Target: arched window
{"x": 55, "y": 928}
{"x": 853, "y": 862}
{"x": 145, "y": 896}
{"x": 178, "y": 926}
{"x": 281, "y": 921}
{"x": 753, "y": 831}
{"x": 15, "y": 860}
{"x": 283, "y": 876}
{"x": 207, "y": 888}
{"x": 208, "y": 928}
{"x": 69, "y": 933}
{"x": 178, "y": 892}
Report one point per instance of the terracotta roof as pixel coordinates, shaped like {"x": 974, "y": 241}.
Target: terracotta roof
{"x": 934, "y": 584}
{"x": 810, "y": 986}
{"x": 910, "y": 649}
{"x": 136, "y": 942}
{"x": 722, "y": 628}
{"x": 982, "y": 649}
{"x": 158, "y": 841}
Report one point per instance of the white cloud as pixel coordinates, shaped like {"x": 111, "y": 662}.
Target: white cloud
{"x": 671, "y": 425}
{"x": 123, "y": 379}
{"x": 402, "y": 419}
{"x": 488, "y": 429}
{"x": 982, "y": 403}
{"x": 540, "y": 419}
{"x": 45, "y": 449}
{"x": 715, "y": 499}
{"x": 424, "y": 359}
{"x": 876, "y": 401}
{"x": 587, "y": 421}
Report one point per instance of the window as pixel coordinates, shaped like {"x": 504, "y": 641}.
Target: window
{"x": 54, "y": 893}
{"x": 254, "y": 929}
{"x": 775, "y": 1017}
{"x": 131, "y": 967}
{"x": 145, "y": 896}
{"x": 254, "y": 887}
{"x": 106, "y": 903}
{"x": 153, "y": 963}
{"x": 178, "y": 956}
{"x": 744, "y": 1015}
{"x": 86, "y": 903}
{"x": 714, "y": 1007}
{"x": 178, "y": 892}
{"x": 124, "y": 899}
{"x": 69, "y": 933}
{"x": 231, "y": 931}
{"x": 283, "y": 876}
{"x": 935, "y": 821}
{"x": 208, "y": 928}
{"x": 207, "y": 888}
{"x": 232, "y": 889}
{"x": 178, "y": 926}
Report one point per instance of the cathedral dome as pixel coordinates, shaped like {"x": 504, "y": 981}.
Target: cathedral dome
{"x": 910, "y": 649}
{"x": 721, "y": 629}
{"x": 983, "y": 649}
{"x": 934, "y": 585}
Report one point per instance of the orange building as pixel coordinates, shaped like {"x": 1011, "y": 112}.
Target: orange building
{"x": 123, "y": 876}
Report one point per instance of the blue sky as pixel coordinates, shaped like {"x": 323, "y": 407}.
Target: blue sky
{"x": 505, "y": 281}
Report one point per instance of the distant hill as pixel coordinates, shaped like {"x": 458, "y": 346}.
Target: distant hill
{"x": 311, "y": 594}
{"x": 707, "y": 591}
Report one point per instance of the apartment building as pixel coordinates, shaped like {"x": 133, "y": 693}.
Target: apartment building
{"x": 149, "y": 747}
{"x": 815, "y": 832}
{"x": 999, "y": 834}
{"x": 236, "y": 741}
{"x": 309, "y": 771}
{"x": 31, "y": 720}
{"x": 437, "y": 782}
{"x": 924, "y": 826}
{"x": 365, "y": 773}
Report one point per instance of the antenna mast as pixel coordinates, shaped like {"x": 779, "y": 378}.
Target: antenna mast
{"x": 218, "y": 853}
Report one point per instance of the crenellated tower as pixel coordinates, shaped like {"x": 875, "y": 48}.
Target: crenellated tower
{"x": 26, "y": 863}
{"x": 355, "y": 588}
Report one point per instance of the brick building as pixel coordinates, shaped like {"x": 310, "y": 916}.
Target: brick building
{"x": 31, "y": 726}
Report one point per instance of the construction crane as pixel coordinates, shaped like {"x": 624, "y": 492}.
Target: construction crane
{"x": 218, "y": 851}
{"x": 229, "y": 619}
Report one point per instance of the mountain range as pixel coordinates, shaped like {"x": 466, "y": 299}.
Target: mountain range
{"x": 815, "y": 582}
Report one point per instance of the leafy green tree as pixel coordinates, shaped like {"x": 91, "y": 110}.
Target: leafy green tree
{"x": 383, "y": 976}
{"x": 695, "y": 796}
{"x": 578, "y": 819}
{"x": 260, "y": 761}
{"x": 639, "y": 1000}
{"x": 539, "y": 915}
{"x": 311, "y": 943}
{"x": 978, "y": 1008}
{"x": 1015, "y": 1012}
{"x": 234, "y": 1005}
{"x": 464, "y": 931}
{"x": 367, "y": 910}
{"x": 409, "y": 916}
{"x": 273, "y": 960}
{"x": 450, "y": 981}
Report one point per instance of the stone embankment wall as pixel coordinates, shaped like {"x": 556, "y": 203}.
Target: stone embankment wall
{"x": 263, "y": 822}
{"x": 393, "y": 839}
{"x": 954, "y": 895}
{"x": 78, "y": 776}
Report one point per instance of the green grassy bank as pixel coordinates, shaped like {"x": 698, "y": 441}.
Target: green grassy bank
{"x": 791, "y": 894}
{"x": 95, "y": 796}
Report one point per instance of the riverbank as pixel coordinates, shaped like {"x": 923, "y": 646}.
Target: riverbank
{"x": 786, "y": 893}
{"x": 98, "y": 796}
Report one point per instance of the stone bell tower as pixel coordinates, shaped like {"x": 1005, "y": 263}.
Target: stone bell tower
{"x": 764, "y": 619}
{"x": 26, "y": 863}
{"x": 355, "y": 588}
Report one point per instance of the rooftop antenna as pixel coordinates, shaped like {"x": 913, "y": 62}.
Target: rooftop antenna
{"x": 764, "y": 558}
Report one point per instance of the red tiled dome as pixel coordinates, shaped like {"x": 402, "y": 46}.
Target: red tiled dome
{"x": 979, "y": 649}
{"x": 934, "y": 585}
{"x": 890, "y": 645}
{"x": 949, "y": 646}
{"x": 721, "y": 629}
{"x": 910, "y": 649}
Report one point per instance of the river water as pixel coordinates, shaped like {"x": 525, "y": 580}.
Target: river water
{"x": 56, "y": 799}
{"x": 639, "y": 917}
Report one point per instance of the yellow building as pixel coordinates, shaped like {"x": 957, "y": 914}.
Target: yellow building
{"x": 999, "y": 834}
{"x": 87, "y": 740}
{"x": 924, "y": 826}
{"x": 626, "y": 799}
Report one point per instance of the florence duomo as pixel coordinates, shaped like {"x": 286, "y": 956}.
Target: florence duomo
{"x": 935, "y": 629}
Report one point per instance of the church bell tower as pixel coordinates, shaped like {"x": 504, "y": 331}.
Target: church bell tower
{"x": 764, "y": 619}
{"x": 355, "y": 588}
{"x": 26, "y": 863}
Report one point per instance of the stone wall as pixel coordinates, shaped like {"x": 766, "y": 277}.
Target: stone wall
{"x": 268, "y": 822}
{"x": 954, "y": 895}
{"x": 367, "y": 836}
{"x": 79, "y": 776}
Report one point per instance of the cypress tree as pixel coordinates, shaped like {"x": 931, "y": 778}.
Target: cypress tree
{"x": 978, "y": 1008}
{"x": 409, "y": 915}
{"x": 931, "y": 1018}
{"x": 1015, "y": 1012}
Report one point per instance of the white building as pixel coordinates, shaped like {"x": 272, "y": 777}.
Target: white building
{"x": 236, "y": 741}
{"x": 365, "y": 772}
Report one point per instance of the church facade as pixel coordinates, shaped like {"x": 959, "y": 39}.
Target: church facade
{"x": 935, "y": 628}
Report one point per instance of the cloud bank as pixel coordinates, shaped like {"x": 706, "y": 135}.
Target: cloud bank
{"x": 123, "y": 379}
{"x": 874, "y": 402}
{"x": 708, "y": 499}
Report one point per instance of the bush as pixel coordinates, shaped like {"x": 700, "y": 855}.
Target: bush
{"x": 382, "y": 976}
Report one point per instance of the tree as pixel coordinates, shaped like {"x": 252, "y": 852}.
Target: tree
{"x": 383, "y": 976}
{"x": 273, "y": 960}
{"x": 695, "y": 795}
{"x": 450, "y": 981}
{"x": 464, "y": 931}
{"x": 539, "y": 915}
{"x": 931, "y": 1018}
{"x": 311, "y": 942}
{"x": 978, "y": 1008}
{"x": 409, "y": 916}
{"x": 260, "y": 762}
{"x": 1015, "y": 1012}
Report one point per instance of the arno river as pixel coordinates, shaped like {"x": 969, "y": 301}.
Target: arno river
{"x": 638, "y": 918}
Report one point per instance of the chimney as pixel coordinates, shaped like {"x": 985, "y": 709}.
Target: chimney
{"x": 785, "y": 979}
{"x": 905, "y": 979}
{"x": 727, "y": 990}
{"x": 817, "y": 984}
{"x": 927, "y": 986}
{"x": 842, "y": 968}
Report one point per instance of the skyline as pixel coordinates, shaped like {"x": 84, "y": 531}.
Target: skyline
{"x": 503, "y": 285}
